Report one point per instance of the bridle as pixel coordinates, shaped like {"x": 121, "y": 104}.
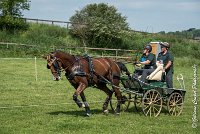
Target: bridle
{"x": 54, "y": 61}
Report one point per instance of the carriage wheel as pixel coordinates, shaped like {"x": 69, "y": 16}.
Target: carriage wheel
{"x": 124, "y": 103}
{"x": 175, "y": 104}
{"x": 152, "y": 103}
{"x": 137, "y": 102}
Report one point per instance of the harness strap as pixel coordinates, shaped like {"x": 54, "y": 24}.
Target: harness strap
{"x": 81, "y": 72}
{"x": 91, "y": 69}
{"x": 73, "y": 74}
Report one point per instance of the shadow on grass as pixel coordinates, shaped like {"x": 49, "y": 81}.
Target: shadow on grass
{"x": 139, "y": 111}
{"x": 81, "y": 112}
{"x": 75, "y": 113}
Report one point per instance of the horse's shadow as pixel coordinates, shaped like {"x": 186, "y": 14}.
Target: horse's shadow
{"x": 75, "y": 112}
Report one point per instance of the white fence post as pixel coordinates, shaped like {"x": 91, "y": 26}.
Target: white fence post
{"x": 35, "y": 69}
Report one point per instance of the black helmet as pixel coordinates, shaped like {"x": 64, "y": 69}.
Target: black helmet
{"x": 148, "y": 47}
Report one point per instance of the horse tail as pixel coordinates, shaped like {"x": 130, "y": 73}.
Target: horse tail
{"x": 123, "y": 68}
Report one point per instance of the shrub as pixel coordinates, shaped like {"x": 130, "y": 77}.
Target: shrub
{"x": 11, "y": 24}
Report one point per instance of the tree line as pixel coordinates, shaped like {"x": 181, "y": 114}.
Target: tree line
{"x": 191, "y": 33}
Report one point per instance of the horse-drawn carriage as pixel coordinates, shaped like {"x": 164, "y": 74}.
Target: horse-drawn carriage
{"x": 84, "y": 71}
{"x": 154, "y": 94}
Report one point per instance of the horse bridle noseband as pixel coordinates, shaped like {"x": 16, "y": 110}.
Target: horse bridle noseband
{"x": 54, "y": 62}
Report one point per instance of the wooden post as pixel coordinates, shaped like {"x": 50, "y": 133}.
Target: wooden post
{"x": 116, "y": 53}
{"x": 85, "y": 49}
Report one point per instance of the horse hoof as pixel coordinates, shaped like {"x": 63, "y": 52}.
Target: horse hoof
{"x": 83, "y": 105}
{"x": 106, "y": 112}
{"x": 117, "y": 114}
{"x": 88, "y": 114}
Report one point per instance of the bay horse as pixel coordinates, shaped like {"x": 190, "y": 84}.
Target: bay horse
{"x": 83, "y": 72}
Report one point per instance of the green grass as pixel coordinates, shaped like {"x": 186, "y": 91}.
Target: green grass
{"x": 46, "y": 106}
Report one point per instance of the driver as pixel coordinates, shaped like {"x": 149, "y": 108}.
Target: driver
{"x": 148, "y": 59}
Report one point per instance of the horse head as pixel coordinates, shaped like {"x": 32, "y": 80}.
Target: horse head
{"x": 54, "y": 64}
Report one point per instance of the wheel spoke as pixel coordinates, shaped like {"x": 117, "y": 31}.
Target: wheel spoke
{"x": 156, "y": 97}
{"x": 152, "y": 96}
{"x": 179, "y": 99}
{"x": 157, "y": 105}
{"x": 146, "y": 107}
{"x": 150, "y": 111}
{"x": 171, "y": 102}
{"x": 174, "y": 98}
{"x": 157, "y": 100}
{"x": 148, "y": 99}
{"x": 156, "y": 109}
{"x": 174, "y": 111}
{"x": 179, "y": 107}
{"x": 179, "y": 104}
{"x": 147, "y": 111}
{"x": 170, "y": 109}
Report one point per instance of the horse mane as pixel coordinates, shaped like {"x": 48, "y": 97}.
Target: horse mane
{"x": 65, "y": 55}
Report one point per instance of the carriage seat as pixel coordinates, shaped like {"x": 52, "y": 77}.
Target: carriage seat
{"x": 157, "y": 73}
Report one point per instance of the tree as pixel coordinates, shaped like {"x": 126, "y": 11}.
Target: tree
{"x": 11, "y": 13}
{"x": 99, "y": 25}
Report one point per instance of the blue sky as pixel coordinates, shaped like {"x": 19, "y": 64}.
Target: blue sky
{"x": 142, "y": 15}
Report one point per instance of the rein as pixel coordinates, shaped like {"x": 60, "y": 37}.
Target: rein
{"x": 64, "y": 69}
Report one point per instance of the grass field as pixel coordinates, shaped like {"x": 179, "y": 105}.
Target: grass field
{"x": 45, "y": 106}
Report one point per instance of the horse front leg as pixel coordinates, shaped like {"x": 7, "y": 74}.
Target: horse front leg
{"x": 85, "y": 104}
{"x": 79, "y": 91}
{"x": 77, "y": 101}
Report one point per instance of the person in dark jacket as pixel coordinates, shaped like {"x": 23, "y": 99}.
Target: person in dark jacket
{"x": 148, "y": 59}
{"x": 166, "y": 58}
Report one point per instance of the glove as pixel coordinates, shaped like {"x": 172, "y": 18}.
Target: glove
{"x": 136, "y": 62}
{"x": 138, "y": 65}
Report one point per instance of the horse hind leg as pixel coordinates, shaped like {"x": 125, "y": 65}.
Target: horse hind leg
{"x": 118, "y": 94}
{"x": 109, "y": 93}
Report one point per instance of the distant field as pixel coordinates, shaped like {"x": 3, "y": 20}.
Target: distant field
{"x": 46, "y": 106}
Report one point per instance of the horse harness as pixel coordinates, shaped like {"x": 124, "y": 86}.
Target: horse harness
{"x": 78, "y": 71}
